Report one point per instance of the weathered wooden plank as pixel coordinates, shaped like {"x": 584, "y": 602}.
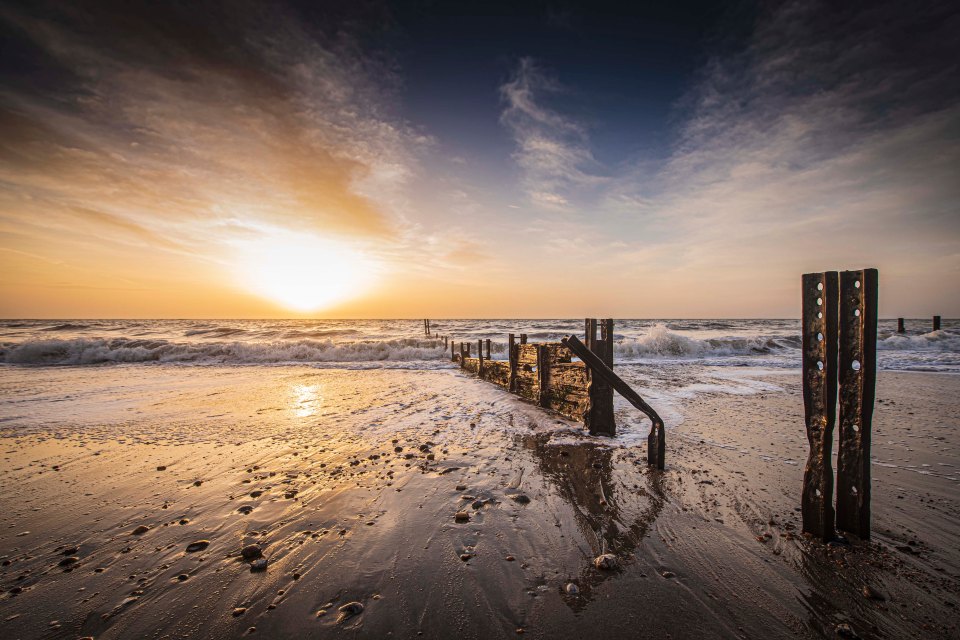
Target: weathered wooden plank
{"x": 857, "y": 375}
{"x": 543, "y": 374}
{"x": 656, "y": 441}
{"x": 480, "y": 356}
{"x": 599, "y": 416}
{"x": 819, "y": 327}
{"x": 512, "y": 355}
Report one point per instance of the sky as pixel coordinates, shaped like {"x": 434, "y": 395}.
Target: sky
{"x": 475, "y": 159}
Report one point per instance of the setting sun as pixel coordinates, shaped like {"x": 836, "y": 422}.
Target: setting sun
{"x": 304, "y": 273}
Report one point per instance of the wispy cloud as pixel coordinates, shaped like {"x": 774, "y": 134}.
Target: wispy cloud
{"x": 552, "y": 149}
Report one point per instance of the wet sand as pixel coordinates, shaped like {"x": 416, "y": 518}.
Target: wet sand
{"x": 350, "y": 483}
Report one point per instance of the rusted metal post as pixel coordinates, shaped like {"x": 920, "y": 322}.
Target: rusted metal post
{"x": 819, "y": 324}
{"x": 900, "y": 327}
{"x": 512, "y": 357}
{"x": 936, "y": 323}
{"x": 857, "y": 383}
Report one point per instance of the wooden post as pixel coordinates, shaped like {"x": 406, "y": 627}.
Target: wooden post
{"x": 512, "y": 355}
{"x": 857, "y": 380}
{"x": 452, "y": 356}
{"x": 488, "y": 349}
{"x": 523, "y": 338}
{"x": 819, "y": 321}
{"x": 900, "y": 327}
{"x": 599, "y": 414}
{"x": 656, "y": 441}
{"x": 480, "y": 358}
{"x": 543, "y": 376}
{"x": 936, "y": 323}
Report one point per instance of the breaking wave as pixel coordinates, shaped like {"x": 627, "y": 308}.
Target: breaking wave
{"x": 98, "y": 351}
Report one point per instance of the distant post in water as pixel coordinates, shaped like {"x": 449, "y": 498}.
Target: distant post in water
{"x": 488, "y": 348}
{"x": 857, "y": 380}
{"x": 480, "y": 356}
{"x": 819, "y": 322}
{"x": 900, "y": 327}
{"x": 936, "y": 323}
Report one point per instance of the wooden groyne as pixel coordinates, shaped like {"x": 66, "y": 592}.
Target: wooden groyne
{"x": 573, "y": 378}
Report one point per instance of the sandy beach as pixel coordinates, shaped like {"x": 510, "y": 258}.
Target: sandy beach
{"x": 349, "y": 484}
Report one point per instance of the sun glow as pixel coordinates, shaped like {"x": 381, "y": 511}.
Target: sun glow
{"x": 304, "y": 273}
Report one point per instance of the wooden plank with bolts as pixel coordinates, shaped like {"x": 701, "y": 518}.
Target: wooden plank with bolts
{"x": 857, "y": 376}
{"x": 819, "y": 325}
{"x": 656, "y": 441}
{"x": 599, "y": 416}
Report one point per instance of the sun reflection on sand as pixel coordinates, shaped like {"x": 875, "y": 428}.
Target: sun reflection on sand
{"x": 306, "y": 399}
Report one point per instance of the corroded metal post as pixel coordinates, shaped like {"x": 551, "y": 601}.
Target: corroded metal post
{"x": 819, "y": 327}
{"x": 857, "y": 377}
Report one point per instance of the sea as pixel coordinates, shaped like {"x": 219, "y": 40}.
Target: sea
{"x": 769, "y": 344}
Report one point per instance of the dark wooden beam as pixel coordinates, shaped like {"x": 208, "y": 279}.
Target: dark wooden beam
{"x": 512, "y": 356}
{"x": 936, "y": 323}
{"x": 819, "y": 326}
{"x": 857, "y": 376}
{"x": 656, "y": 443}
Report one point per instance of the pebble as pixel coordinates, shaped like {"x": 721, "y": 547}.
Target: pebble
{"x": 461, "y": 487}
{"x": 521, "y": 498}
{"x": 182, "y": 577}
{"x": 509, "y": 558}
{"x": 245, "y": 509}
{"x": 466, "y": 556}
{"x": 572, "y": 589}
{"x": 142, "y": 529}
{"x": 239, "y": 611}
{"x": 606, "y": 561}
{"x": 251, "y": 551}
{"x": 872, "y": 594}
{"x": 477, "y": 504}
{"x": 349, "y": 610}
{"x": 259, "y": 564}
{"x": 199, "y": 545}
{"x": 161, "y": 468}
{"x": 256, "y": 494}
{"x": 461, "y": 516}
{"x": 844, "y": 630}
{"x": 667, "y": 574}
{"x": 197, "y": 483}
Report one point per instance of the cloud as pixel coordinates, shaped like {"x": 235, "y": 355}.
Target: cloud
{"x": 552, "y": 150}
{"x": 172, "y": 117}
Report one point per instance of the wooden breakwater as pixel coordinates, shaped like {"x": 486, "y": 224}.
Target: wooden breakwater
{"x": 573, "y": 378}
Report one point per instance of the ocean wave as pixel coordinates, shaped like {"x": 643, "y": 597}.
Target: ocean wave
{"x": 99, "y": 351}
{"x": 942, "y": 340}
{"x": 660, "y": 341}
{"x": 66, "y": 327}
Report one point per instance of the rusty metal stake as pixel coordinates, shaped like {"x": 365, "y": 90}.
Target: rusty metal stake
{"x": 857, "y": 378}
{"x": 819, "y": 325}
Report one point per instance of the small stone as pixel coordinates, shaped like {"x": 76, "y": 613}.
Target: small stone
{"x": 521, "y": 498}
{"x": 461, "y": 487}
{"x": 290, "y": 495}
{"x": 872, "y": 594}
{"x": 239, "y": 611}
{"x": 296, "y": 576}
{"x": 161, "y": 468}
{"x": 197, "y": 483}
{"x": 256, "y": 494}
{"x": 245, "y": 509}
{"x": 430, "y": 456}
{"x": 251, "y": 552}
{"x": 183, "y": 577}
{"x": 199, "y": 545}
{"x": 397, "y": 449}
{"x": 139, "y": 531}
{"x": 260, "y": 564}
{"x": 509, "y": 558}
{"x": 461, "y": 516}
{"x": 667, "y": 574}
{"x": 321, "y": 613}
{"x": 69, "y": 551}
{"x": 844, "y": 630}
{"x": 572, "y": 589}
{"x": 466, "y": 556}
{"x": 349, "y": 610}
{"x": 477, "y": 504}
{"x": 605, "y": 562}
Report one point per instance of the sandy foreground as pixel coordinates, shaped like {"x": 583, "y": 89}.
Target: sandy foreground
{"x": 349, "y": 484}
